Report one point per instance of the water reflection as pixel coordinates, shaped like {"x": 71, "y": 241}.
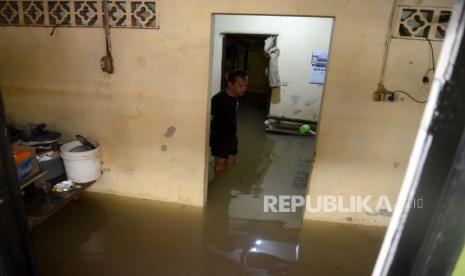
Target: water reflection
{"x": 238, "y": 233}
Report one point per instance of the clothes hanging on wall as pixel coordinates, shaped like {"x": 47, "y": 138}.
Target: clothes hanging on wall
{"x": 273, "y": 53}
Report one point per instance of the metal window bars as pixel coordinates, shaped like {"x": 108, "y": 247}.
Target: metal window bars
{"x": 76, "y": 13}
{"x": 421, "y": 22}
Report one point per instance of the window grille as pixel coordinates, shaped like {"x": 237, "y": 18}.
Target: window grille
{"x": 421, "y": 22}
{"x": 76, "y": 13}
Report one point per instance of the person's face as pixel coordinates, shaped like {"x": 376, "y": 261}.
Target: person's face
{"x": 240, "y": 86}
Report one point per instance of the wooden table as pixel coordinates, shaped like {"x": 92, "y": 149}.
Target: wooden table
{"x": 40, "y": 206}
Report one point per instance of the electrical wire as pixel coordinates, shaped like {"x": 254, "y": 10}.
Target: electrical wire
{"x": 429, "y": 70}
{"x": 407, "y": 94}
{"x": 432, "y": 52}
{"x": 53, "y": 30}
{"x": 387, "y": 45}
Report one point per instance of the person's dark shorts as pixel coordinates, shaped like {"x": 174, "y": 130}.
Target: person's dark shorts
{"x": 223, "y": 147}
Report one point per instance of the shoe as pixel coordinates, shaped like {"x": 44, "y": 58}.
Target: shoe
{"x": 48, "y": 137}
{"x": 37, "y": 135}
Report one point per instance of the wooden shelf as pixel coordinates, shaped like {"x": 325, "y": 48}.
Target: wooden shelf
{"x": 32, "y": 179}
{"x": 40, "y": 207}
{"x": 287, "y": 131}
{"x": 282, "y": 118}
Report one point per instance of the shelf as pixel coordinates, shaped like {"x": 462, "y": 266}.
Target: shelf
{"x": 277, "y": 118}
{"x": 32, "y": 179}
{"x": 287, "y": 131}
{"x": 40, "y": 207}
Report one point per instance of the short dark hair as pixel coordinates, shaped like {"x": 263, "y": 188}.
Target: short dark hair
{"x": 234, "y": 74}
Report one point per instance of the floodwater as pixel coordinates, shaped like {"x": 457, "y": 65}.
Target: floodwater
{"x": 113, "y": 235}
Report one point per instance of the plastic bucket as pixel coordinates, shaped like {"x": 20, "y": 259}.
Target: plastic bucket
{"x": 81, "y": 167}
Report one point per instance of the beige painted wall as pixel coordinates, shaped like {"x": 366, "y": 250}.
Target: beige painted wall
{"x": 363, "y": 146}
{"x": 161, "y": 81}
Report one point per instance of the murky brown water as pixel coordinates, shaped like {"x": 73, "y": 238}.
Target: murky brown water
{"x": 113, "y": 235}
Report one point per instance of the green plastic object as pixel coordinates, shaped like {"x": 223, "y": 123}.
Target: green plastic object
{"x": 304, "y": 129}
{"x": 460, "y": 266}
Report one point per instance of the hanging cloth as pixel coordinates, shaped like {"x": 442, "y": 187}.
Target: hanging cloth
{"x": 273, "y": 53}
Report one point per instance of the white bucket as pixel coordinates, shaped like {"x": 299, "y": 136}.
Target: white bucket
{"x": 81, "y": 167}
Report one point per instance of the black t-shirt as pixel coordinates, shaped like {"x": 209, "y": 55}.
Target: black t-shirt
{"x": 223, "y": 111}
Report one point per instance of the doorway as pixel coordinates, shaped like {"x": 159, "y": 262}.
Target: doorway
{"x": 246, "y": 52}
{"x": 238, "y": 42}
{"x": 237, "y": 229}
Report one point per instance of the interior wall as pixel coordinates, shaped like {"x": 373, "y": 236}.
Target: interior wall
{"x": 362, "y": 144}
{"x": 149, "y": 116}
{"x": 162, "y": 81}
{"x": 297, "y": 38}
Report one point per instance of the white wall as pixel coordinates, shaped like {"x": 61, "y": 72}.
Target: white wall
{"x": 297, "y": 38}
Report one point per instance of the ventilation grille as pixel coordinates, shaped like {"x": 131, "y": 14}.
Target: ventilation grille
{"x": 74, "y": 13}
{"x": 421, "y": 22}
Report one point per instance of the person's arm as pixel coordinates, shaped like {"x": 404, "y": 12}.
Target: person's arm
{"x": 215, "y": 110}
{"x": 214, "y": 107}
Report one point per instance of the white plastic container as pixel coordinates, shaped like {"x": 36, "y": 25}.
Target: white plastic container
{"x": 81, "y": 167}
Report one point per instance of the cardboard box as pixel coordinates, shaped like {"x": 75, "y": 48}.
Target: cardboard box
{"x": 25, "y": 161}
